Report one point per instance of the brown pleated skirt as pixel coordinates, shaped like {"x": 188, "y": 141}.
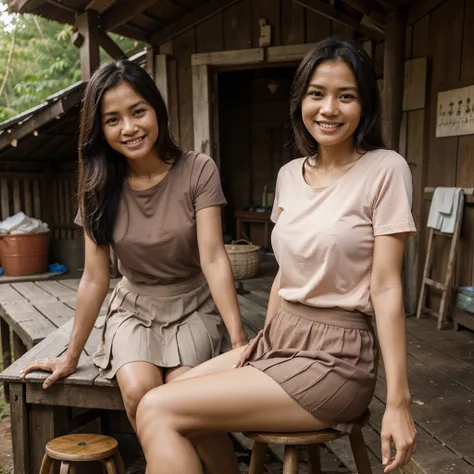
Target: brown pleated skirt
{"x": 168, "y": 326}
{"x": 326, "y": 359}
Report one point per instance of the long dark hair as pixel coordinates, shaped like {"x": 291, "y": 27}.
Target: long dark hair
{"x": 368, "y": 135}
{"x": 102, "y": 170}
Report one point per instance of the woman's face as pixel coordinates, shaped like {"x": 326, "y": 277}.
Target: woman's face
{"x": 331, "y": 109}
{"x": 129, "y": 122}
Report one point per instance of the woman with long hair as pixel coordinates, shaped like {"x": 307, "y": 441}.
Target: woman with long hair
{"x": 159, "y": 208}
{"x": 342, "y": 215}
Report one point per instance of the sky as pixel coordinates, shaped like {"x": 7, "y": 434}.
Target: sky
{"x": 6, "y": 20}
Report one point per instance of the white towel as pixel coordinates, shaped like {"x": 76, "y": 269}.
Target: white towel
{"x": 445, "y": 206}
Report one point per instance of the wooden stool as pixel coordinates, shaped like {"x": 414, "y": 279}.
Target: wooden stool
{"x": 311, "y": 440}
{"x": 83, "y": 448}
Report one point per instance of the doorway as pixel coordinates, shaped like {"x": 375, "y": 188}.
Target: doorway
{"x": 255, "y": 141}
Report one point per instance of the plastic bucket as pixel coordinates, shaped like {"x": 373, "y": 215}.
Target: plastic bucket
{"x": 25, "y": 254}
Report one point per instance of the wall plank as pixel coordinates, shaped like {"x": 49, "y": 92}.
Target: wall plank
{"x": 184, "y": 46}
{"x": 445, "y": 52}
{"x": 209, "y": 35}
{"x": 238, "y": 26}
{"x": 292, "y": 23}
{"x": 317, "y": 27}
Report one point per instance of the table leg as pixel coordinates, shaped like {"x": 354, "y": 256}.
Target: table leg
{"x": 18, "y": 347}
{"x": 20, "y": 429}
{"x": 47, "y": 422}
{"x": 6, "y": 352}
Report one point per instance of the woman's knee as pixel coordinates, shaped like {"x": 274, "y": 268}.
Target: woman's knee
{"x": 132, "y": 395}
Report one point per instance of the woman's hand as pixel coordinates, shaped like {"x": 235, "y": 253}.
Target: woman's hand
{"x": 60, "y": 367}
{"x": 397, "y": 427}
{"x": 239, "y": 339}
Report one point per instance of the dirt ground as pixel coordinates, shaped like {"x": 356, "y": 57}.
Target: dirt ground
{"x": 6, "y": 458}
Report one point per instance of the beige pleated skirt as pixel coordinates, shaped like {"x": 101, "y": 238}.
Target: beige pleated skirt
{"x": 168, "y": 326}
{"x": 326, "y": 359}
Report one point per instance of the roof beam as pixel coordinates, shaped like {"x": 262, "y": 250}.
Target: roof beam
{"x": 131, "y": 32}
{"x": 23, "y": 6}
{"x": 110, "y": 46}
{"x": 334, "y": 14}
{"x": 100, "y": 6}
{"x": 206, "y": 11}
{"x": 119, "y": 14}
{"x": 386, "y": 4}
{"x": 55, "y": 110}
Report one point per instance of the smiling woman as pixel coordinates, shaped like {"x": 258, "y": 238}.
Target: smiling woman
{"x": 158, "y": 208}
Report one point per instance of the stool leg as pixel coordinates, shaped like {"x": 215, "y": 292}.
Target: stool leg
{"x": 119, "y": 463}
{"x": 257, "y": 460}
{"x": 290, "y": 460}
{"x": 109, "y": 465}
{"x": 64, "y": 467}
{"x": 359, "y": 450}
{"x": 46, "y": 465}
{"x": 314, "y": 459}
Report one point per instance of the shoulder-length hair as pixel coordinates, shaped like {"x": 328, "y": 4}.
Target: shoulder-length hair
{"x": 102, "y": 170}
{"x": 368, "y": 135}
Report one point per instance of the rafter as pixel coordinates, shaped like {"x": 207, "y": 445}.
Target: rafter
{"x": 57, "y": 4}
{"x": 100, "y": 6}
{"x": 191, "y": 19}
{"x": 23, "y": 6}
{"x": 386, "y": 4}
{"x": 334, "y": 14}
{"x": 119, "y": 14}
{"x": 110, "y": 46}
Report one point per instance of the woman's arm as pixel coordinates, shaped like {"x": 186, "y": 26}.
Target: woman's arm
{"x": 217, "y": 270}
{"x": 387, "y": 299}
{"x": 92, "y": 291}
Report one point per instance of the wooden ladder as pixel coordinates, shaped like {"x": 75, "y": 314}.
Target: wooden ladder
{"x": 444, "y": 287}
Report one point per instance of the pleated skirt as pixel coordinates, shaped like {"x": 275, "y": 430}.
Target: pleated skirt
{"x": 168, "y": 326}
{"x": 326, "y": 359}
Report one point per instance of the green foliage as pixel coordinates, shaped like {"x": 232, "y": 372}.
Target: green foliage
{"x": 43, "y": 60}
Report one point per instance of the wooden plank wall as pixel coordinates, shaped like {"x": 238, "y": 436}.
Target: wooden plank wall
{"x": 21, "y": 192}
{"x": 235, "y": 28}
{"x": 445, "y": 37}
{"x": 64, "y": 206}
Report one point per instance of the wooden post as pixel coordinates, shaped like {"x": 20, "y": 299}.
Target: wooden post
{"x": 88, "y": 27}
{"x": 393, "y": 75}
{"x": 161, "y": 75}
{"x": 150, "y": 61}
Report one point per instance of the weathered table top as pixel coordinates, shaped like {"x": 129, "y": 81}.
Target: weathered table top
{"x": 85, "y": 388}
{"x": 35, "y": 309}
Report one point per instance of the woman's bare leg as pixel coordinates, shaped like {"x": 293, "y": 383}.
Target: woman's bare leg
{"x": 135, "y": 379}
{"x": 215, "y": 450}
{"x": 243, "y": 399}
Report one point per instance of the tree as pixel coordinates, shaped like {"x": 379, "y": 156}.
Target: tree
{"x": 38, "y": 59}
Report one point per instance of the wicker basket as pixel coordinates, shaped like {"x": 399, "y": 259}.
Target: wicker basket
{"x": 244, "y": 259}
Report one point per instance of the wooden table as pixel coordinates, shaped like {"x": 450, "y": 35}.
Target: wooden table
{"x": 38, "y": 415}
{"x": 32, "y": 310}
{"x": 252, "y": 217}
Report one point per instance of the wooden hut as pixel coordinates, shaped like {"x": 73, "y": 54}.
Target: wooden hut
{"x": 225, "y": 67}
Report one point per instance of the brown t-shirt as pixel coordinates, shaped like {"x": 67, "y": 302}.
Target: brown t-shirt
{"x": 155, "y": 237}
{"x": 324, "y": 237}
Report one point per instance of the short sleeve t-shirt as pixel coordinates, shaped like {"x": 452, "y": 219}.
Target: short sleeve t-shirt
{"x": 155, "y": 236}
{"x": 324, "y": 237}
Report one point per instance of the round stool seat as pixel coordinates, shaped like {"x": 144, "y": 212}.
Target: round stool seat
{"x": 305, "y": 437}
{"x": 302, "y": 438}
{"x": 82, "y": 447}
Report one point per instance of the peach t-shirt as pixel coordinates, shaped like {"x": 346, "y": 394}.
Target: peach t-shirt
{"x": 324, "y": 237}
